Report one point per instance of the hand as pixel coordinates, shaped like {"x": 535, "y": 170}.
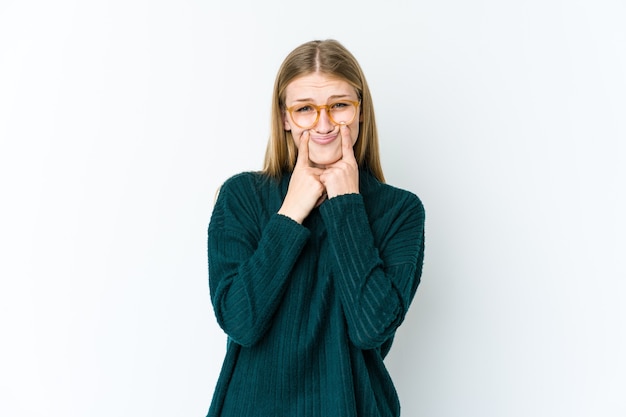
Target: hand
{"x": 342, "y": 177}
{"x": 305, "y": 189}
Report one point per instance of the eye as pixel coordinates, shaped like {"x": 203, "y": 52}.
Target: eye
{"x": 305, "y": 108}
{"x": 340, "y": 105}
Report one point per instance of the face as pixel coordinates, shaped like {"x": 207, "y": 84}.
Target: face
{"x": 325, "y": 139}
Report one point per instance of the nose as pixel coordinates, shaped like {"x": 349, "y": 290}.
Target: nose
{"x": 324, "y": 124}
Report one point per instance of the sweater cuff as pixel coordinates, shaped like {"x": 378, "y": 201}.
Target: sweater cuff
{"x": 348, "y": 225}
{"x": 283, "y": 229}
{"x": 346, "y": 207}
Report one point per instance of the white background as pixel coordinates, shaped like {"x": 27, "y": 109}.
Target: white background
{"x": 119, "y": 120}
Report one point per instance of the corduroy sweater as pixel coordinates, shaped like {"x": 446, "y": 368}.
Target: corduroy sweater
{"x": 310, "y": 310}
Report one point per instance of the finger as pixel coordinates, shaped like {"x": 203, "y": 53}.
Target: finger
{"x": 347, "y": 149}
{"x": 303, "y": 149}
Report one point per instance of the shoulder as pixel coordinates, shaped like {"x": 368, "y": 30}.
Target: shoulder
{"x": 242, "y": 200}
{"x": 252, "y": 193}
{"x": 386, "y": 197}
{"x": 249, "y": 183}
{"x": 244, "y": 180}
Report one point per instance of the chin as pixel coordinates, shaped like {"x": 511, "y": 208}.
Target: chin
{"x": 325, "y": 155}
{"x": 325, "y": 159}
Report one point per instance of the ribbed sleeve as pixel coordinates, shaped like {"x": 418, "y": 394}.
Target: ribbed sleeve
{"x": 247, "y": 274}
{"x": 376, "y": 280}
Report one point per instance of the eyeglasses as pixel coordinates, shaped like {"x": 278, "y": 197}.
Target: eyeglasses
{"x": 306, "y": 115}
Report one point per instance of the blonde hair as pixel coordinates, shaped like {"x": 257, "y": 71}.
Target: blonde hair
{"x": 333, "y": 59}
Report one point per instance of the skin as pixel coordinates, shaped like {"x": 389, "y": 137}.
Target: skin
{"x": 323, "y": 169}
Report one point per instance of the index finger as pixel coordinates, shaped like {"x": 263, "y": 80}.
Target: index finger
{"x": 303, "y": 149}
{"x": 347, "y": 150}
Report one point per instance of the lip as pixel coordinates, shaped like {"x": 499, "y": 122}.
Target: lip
{"x": 324, "y": 140}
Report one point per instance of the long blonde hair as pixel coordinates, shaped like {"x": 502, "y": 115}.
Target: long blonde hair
{"x": 333, "y": 59}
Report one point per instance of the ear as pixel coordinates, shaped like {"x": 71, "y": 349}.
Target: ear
{"x": 286, "y": 124}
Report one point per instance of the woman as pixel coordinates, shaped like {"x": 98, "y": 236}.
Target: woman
{"x": 313, "y": 262}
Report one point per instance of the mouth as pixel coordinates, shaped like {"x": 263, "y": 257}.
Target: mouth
{"x": 325, "y": 139}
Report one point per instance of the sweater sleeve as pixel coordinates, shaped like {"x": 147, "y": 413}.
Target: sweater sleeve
{"x": 376, "y": 281}
{"x": 249, "y": 262}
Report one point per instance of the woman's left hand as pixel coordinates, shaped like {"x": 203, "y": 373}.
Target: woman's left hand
{"x": 342, "y": 177}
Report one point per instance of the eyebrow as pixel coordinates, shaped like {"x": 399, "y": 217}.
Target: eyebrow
{"x": 310, "y": 100}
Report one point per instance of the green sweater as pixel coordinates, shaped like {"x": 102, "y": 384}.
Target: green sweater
{"x": 311, "y": 310}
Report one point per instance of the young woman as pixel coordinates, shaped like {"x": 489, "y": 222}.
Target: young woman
{"x": 313, "y": 261}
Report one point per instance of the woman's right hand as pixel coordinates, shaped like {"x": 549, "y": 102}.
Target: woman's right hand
{"x": 305, "y": 189}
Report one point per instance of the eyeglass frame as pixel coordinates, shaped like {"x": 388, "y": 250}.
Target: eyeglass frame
{"x": 356, "y": 104}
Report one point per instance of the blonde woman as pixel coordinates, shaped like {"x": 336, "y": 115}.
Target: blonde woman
{"x": 313, "y": 261}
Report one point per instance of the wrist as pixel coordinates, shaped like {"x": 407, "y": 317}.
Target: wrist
{"x": 285, "y": 211}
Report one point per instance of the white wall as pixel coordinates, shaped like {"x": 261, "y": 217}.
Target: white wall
{"x": 118, "y": 122}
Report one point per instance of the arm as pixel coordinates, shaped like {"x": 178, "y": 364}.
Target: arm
{"x": 375, "y": 284}
{"x": 249, "y": 263}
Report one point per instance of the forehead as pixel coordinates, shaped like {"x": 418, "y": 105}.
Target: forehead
{"x": 317, "y": 87}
